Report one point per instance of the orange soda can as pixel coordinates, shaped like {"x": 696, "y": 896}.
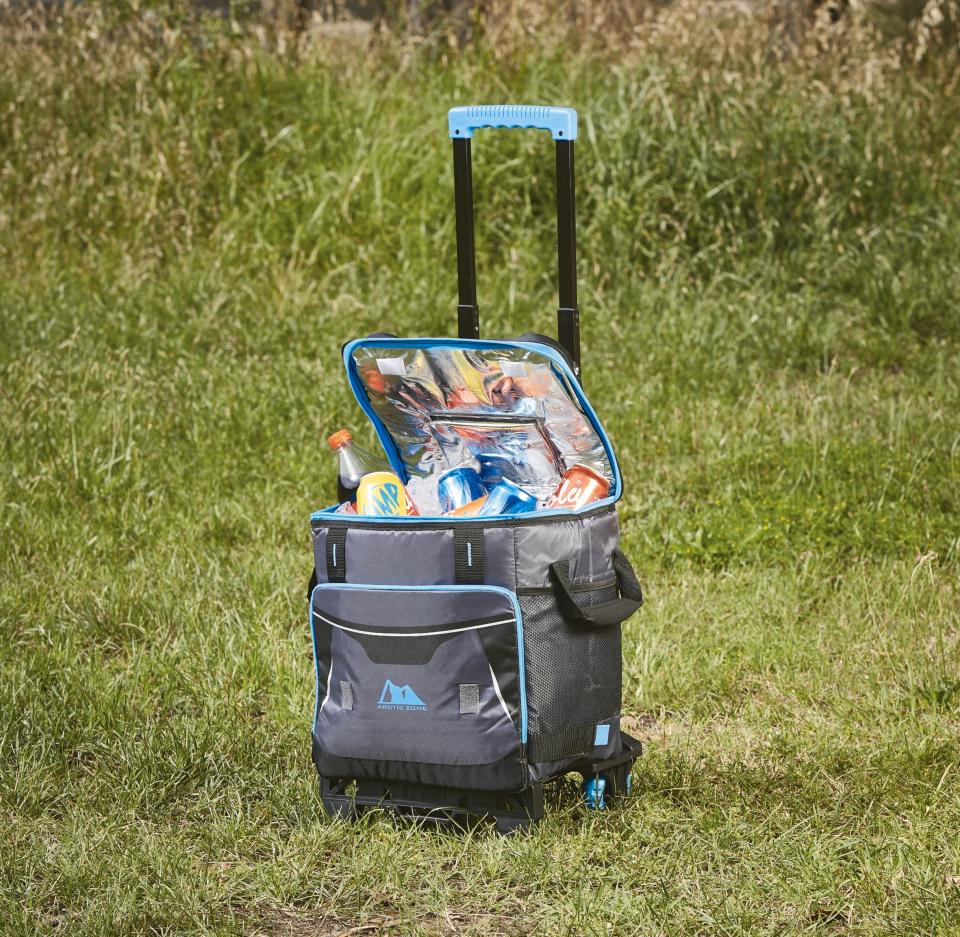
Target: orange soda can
{"x": 579, "y": 486}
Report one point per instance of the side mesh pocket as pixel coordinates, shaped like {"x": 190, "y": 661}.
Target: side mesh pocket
{"x": 573, "y": 673}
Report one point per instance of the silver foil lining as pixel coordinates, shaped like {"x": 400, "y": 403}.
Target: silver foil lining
{"x": 506, "y": 410}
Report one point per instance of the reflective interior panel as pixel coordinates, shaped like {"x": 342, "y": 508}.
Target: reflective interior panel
{"x": 505, "y": 410}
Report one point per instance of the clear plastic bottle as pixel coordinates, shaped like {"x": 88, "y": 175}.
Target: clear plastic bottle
{"x": 355, "y": 462}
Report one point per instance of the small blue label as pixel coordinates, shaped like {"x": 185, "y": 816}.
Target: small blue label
{"x": 602, "y": 735}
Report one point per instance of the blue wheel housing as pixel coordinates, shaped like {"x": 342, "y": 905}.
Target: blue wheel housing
{"x": 593, "y": 789}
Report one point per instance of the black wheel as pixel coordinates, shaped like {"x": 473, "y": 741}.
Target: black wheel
{"x": 510, "y": 825}
{"x": 619, "y": 781}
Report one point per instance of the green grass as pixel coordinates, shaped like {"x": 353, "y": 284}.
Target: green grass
{"x": 189, "y": 229}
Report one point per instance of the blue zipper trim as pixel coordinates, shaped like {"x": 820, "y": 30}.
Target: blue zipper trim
{"x": 365, "y": 587}
{"x": 390, "y": 447}
{"x": 330, "y": 512}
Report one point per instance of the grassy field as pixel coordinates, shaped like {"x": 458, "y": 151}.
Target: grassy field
{"x": 190, "y": 226}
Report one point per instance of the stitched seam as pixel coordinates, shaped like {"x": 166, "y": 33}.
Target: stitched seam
{"x": 516, "y": 564}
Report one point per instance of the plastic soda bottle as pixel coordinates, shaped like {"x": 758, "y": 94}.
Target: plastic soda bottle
{"x": 355, "y": 462}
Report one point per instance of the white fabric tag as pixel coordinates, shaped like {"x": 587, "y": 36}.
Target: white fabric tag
{"x": 392, "y": 366}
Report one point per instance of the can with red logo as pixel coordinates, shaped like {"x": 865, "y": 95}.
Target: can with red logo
{"x": 579, "y": 486}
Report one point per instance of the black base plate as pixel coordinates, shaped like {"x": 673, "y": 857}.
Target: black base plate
{"x": 450, "y": 806}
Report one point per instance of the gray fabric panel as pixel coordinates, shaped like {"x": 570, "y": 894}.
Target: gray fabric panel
{"x": 430, "y": 729}
{"x": 346, "y": 695}
{"x": 587, "y": 543}
{"x": 500, "y": 557}
{"x": 400, "y": 557}
{"x": 540, "y": 545}
{"x": 516, "y": 557}
{"x": 398, "y": 609}
{"x": 594, "y": 560}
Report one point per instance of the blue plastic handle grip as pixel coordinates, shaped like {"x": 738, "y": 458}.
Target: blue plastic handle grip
{"x": 560, "y": 121}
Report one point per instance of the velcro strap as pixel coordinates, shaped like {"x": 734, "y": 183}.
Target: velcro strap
{"x": 469, "y": 698}
{"x": 346, "y": 695}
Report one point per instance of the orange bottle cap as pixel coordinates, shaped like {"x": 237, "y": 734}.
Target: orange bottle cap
{"x": 339, "y": 439}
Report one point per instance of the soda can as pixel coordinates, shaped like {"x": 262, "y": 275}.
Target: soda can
{"x": 508, "y": 498}
{"x": 469, "y": 510}
{"x": 492, "y": 466}
{"x": 579, "y": 486}
{"x": 458, "y": 487}
{"x": 381, "y": 494}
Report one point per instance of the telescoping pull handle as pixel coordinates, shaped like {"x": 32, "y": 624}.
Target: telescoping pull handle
{"x": 560, "y": 121}
{"x": 562, "y": 124}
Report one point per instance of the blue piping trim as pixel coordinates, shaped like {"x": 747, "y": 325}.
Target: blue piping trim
{"x": 403, "y": 519}
{"x": 389, "y": 446}
{"x": 365, "y": 587}
{"x": 386, "y": 440}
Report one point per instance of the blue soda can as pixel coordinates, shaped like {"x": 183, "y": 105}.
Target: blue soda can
{"x": 458, "y": 487}
{"x": 508, "y": 498}
{"x": 492, "y": 468}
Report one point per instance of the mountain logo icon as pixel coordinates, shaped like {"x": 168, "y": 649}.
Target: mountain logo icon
{"x": 399, "y": 697}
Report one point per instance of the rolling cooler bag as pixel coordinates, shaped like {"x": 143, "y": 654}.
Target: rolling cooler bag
{"x": 462, "y": 662}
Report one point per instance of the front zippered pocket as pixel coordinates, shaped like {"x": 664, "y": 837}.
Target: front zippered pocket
{"x": 414, "y": 679}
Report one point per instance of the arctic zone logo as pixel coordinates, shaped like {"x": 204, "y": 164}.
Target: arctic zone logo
{"x": 399, "y": 697}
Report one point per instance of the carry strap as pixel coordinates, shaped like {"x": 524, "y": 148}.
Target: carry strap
{"x": 606, "y": 614}
{"x": 337, "y": 554}
{"x": 469, "y": 555}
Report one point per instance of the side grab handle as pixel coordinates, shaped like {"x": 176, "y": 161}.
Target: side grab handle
{"x": 606, "y": 614}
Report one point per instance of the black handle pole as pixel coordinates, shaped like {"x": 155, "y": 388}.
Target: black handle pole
{"x": 468, "y": 319}
{"x": 568, "y": 313}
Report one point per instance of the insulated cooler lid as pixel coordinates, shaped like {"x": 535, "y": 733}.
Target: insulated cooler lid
{"x": 510, "y": 409}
